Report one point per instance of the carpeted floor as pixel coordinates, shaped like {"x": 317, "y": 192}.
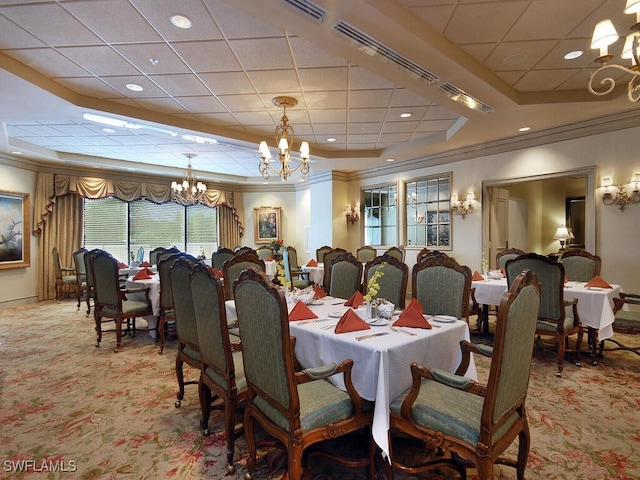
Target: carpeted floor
{"x": 89, "y": 413}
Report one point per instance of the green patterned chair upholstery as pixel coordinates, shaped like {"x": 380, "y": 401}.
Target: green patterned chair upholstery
{"x": 90, "y": 277}
{"x": 297, "y": 409}
{"x": 555, "y": 319}
{"x": 188, "y": 342}
{"x": 294, "y": 275}
{"x": 327, "y": 259}
{"x": 580, "y": 265}
{"x": 366, "y": 253}
{"x": 396, "y": 252}
{"x": 478, "y": 422}
{"x": 507, "y": 254}
{"x": 346, "y": 276}
{"x": 264, "y": 252}
{"x": 222, "y": 374}
{"x": 233, "y": 267}
{"x": 626, "y": 321}
{"x": 320, "y": 253}
{"x": 65, "y": 276}
{"x": 81, "y": 273}
{"x": 442, "y": 286}
{"x": 393, "y": 282}
{"x": 220, "y": 256}
{"x": 111, "y": 303}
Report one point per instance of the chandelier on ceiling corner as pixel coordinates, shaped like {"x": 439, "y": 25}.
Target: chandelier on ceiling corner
{"x": 604, "y": 35}
{"x": 284, "y": 136}
{"x": 190, "y": 191}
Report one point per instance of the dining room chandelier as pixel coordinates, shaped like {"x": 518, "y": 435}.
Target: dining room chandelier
{"x": 604, "y": 35}
{"x": 190, "y": 191}
{"x": 284, "y": 135}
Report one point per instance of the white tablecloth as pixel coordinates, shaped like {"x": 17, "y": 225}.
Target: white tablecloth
{"x": 154, "y": 296}
{"x": 270, "y": 268}
{"x": 595, "y": 305}
{"x": 381, "y": 370}
{"x": 316, "y": 274}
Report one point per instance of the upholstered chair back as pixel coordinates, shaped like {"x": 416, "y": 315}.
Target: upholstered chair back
{"x": 506, "y": 255}
{"x": 580, "y": 265}
{"x": 289, "y": 259}
{"x": 328, "y": 257}
{"x": 442, "y": 286}
{"x": 220, "y": 256}
{"x": 396, "y": 252}
{"x": 320, "y": 253}
{"x": 366, "y": 253}
{"x": 180, "y": 280}
{"x": 392, "y": 283}
{"x": 233, "y": 268}
{"x": 81, "y": 268}
{"x": 106, "y": 282}
{"x": 264, "y": 252}
{"x": 346, "y": 276}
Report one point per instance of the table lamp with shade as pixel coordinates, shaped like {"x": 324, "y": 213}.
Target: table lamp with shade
{"x": 564, "y": 235}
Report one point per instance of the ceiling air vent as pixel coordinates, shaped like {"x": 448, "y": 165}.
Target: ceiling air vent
{"x": 371, "y": 46}
{"x": 460, "y": 96}
{"x": 308, "y": 8}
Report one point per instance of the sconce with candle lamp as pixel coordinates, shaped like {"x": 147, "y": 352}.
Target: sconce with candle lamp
{"x": 621, "y": 198}
{"x": 462, "y": 208}
{"x": 352, "y": 214}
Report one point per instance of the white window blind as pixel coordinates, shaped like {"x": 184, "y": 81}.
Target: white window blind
{"x": 105, "y": 226}
{"x": 202, "y": 230}
{"x": 156, "y": 225}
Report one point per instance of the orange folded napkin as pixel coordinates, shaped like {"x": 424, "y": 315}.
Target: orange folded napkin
{"x": 503, "y": 272}
{"x": 355, "y": 301}
{"x": 149, "y": 271}
{"x": 144, "y": 264}
{"x": 351, "y": 322}
{"x": 566, "y": 279}
{"x": 122, "y": 265}
{"x": 218, "y": 273}
{"x": 142, "y": 275}
{"x": 415, "y": 304}
{"x": 319, "y": 292}
{"x": 476, "y": 276}
{"x": 412, "y": 318}
{"x": 312, "y": 263}
{"x": 301, "y": 312}
{"x": 597, "y": 282}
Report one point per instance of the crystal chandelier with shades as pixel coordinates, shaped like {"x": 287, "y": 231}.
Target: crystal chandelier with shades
{"x": 284, "y": 136}
{"x": 190, "y": 191}
{"x": 604, "y": 35}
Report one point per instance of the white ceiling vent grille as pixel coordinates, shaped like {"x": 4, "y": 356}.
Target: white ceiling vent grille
{"x": 308, "y": 8}
{"x": 460, "y": 96}
{"x": 371, "y": 46}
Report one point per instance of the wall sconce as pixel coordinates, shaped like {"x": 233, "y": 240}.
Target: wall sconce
{"x": 462, "y": 208}
{"x": 563, "y": 234}
{"x": 352, "y": 214}
{"x": 621, "y": 198}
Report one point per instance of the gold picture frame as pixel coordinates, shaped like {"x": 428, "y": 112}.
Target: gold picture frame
{"x": 267, "y": 224}
{"x": 15, "y": 228}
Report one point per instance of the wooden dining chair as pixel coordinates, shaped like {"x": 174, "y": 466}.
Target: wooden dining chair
{"x": 297, "y": 409}
{"x": 366, "y": 253}
{"x": 327, "y": 258}
{"x": 626, "y": 321}
{"x": 396, "y": 252}
{"x": 66, "y": 280}
{"x": 507, "y": 254}
{"x": 553, "y": 319}
{"x": 220, "y": 256}
{"x": 81, "y": 273}
{"x": 454, "y": 414}
{"x": 580, "y": 265}
{"x": 264, "y": 252}
{"x": 393, "y": 282}
{"x": 232, "y": 269}
{"x": 293, "y": 274}
{"x": 222, "y": 374}
{"x": 346, "y": 275}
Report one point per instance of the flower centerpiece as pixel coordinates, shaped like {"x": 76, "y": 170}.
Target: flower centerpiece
{"x": 373, "y": 288}
{"x": 277, "y": 244}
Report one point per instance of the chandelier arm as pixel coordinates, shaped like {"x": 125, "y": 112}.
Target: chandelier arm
{"x": 633, "y": 88}
{"x": 608, "y": 80}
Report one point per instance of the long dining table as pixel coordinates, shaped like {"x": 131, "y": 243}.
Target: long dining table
{"x": 382, "y": 363}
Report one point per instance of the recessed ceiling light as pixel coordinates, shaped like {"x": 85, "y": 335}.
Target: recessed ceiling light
{"x": 331, "y": 139}
{"x": 16, "y": 152}
{"x": 181, "y": 21}
{"x": 391, "y": 159}
{"x": 524, "y": 129}
{"x": 108, "y": 130}
{"x": 574, "y": 54}
{"x": 134, "y": 87}
{"x": 406, "y": 114}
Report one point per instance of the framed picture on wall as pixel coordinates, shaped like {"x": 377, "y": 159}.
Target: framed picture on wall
{"x": 267, "y": 224}
{"x": 14, "y": 230}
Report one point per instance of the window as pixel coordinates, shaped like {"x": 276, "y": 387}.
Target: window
{"x": 381, "y": 215}
{"x": 428, "y": 212}
{"x": 121, "y": 228}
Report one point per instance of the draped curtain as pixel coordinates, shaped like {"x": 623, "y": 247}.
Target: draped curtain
{"x": 58, "y": 215}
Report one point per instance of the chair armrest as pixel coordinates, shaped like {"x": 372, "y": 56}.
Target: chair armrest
{"x": 574, "y": 304}
{"x": 145, "y": 290}
{"x": 68, "y": 269}
{"x": 467, "y": 349}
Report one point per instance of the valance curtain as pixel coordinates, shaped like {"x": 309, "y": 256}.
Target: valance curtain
{"x": 66, "y": 223}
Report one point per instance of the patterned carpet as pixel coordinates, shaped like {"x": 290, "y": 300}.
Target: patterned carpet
{"x": 70, "y": 410}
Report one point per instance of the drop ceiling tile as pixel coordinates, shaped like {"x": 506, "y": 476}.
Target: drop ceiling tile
{"x": 140, "y": 55}
{"x": 308, "y": 55}
{"x": 482, "y": 23}
{"x": 268, "y": 53}
{"x": 180, "y": 85}
{"x": 99, "y": 60}
{"x": 48, "y": 61}
{"x": 436, "y": 16}
{"x": 518, "y": 55}
{"x": 238, "y": 24}
{"x": 275, "y": 81}
{"x": 539, "y": 80}
{"x": 213, "y": 56}
{"x": 323, "y": 79}
{"x": 161, "y": 104}
{"x": 328, "y": 116}
{"x": 334, "y": 99}
{"x": 222, "y": 83}
{"x": 14, "y": 37}
{"x": 202, "y": 104}
{"x": 370, "y": 98}
{"x": 360, "y": 79}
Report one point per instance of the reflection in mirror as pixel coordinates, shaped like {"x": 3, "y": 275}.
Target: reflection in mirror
{"x": 575, "y": 212}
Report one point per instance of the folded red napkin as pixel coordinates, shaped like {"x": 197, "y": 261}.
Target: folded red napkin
{"x": 597, "y": 282}
{"x": 145, "y": 264}
{"x": 415, "y": 304}
{"x": 218, "y": 273}
{"x": 351, "y": 322}
{"x": 355, "y": 301}
{"x": 476, "y": 276}
{"x": 566, "y": 279}
{"x": 301, "y": 312}
{"x": 149, "y": 271}
{"x": 503, "y": 272}
{"x": 319, "y": 292}
{"x": 412, "y": 318}
{"x": 142, "y": 275}
{"x": 122, "y": 265}
{"x": 312, "y": 263}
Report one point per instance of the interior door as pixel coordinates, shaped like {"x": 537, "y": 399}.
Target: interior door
{"x": 498, "y": 222}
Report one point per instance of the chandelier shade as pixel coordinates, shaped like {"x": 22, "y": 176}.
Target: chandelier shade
{"x": 284, "y": 136}
{"x": 189, "y": 191}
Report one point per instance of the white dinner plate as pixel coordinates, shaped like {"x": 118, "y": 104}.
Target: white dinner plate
{"x": 443, "y": 319}
{"x": 336, "y": 314}
{"x": 378, "y": 322}
{"x": 317, "y": 301}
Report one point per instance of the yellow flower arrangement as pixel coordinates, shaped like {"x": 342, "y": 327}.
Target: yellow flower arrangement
{"x": 281, "y": 275}
{"x": 372, "y": 286}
